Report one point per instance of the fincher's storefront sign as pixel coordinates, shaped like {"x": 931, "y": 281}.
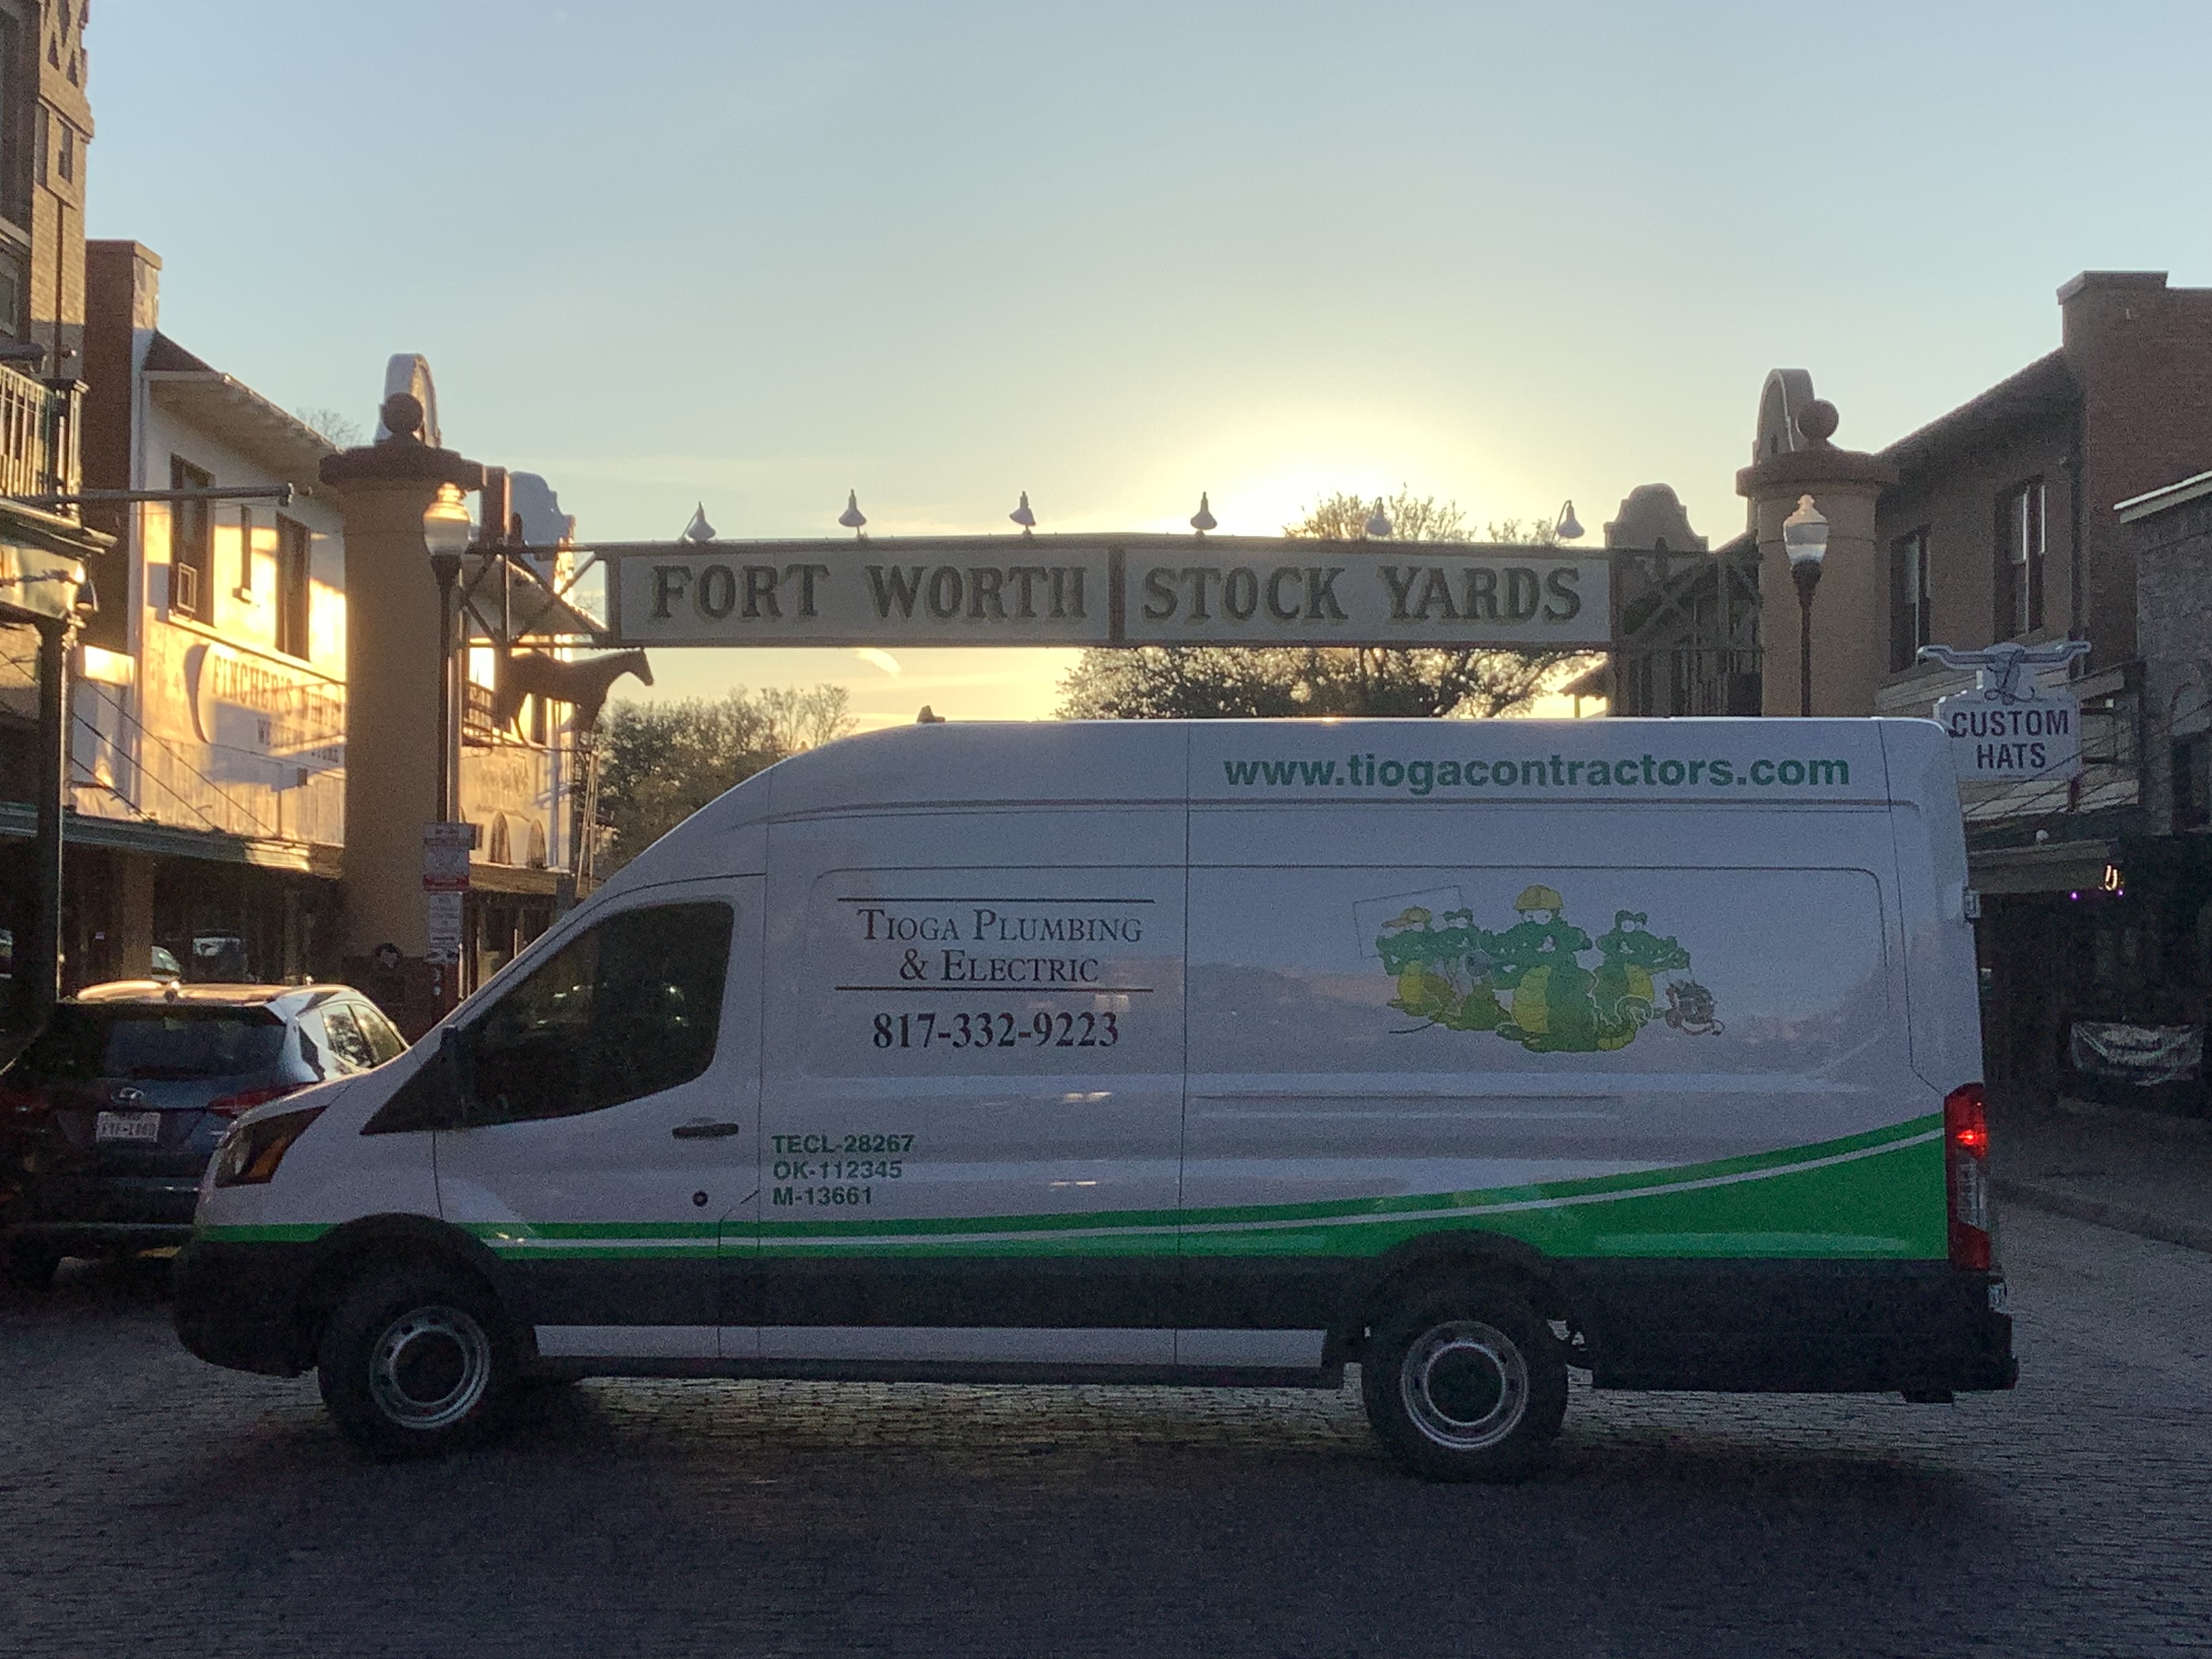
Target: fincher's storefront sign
{"x": 1099, "y": 590}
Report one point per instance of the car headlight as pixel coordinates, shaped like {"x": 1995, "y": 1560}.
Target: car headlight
{"x": 250, "y": 1152}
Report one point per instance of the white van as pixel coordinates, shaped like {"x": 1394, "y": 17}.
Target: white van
{"x": 1217, "y": 1052}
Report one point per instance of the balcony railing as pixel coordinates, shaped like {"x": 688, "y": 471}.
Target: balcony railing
{"x": 38, "y": 437}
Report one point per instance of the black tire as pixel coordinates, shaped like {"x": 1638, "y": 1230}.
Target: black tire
{"x": 417, "y": 1362}
{"x": 31, "y": 1266}
{"x": 1463, "y": 1382}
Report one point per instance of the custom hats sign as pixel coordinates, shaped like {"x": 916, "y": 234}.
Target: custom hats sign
{"x": 2009, "y": 729}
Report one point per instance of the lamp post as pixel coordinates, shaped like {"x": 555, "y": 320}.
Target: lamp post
{"x": 1805, "y": 538}
{"x": 445, "y": 534}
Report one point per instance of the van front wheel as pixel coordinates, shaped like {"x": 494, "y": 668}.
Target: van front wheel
{"x": 1462, "y": 1381}
{"x": 416, "y": 1363}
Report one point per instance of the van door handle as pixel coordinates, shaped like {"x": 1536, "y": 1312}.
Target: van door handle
{"x": 706, "y": 1131}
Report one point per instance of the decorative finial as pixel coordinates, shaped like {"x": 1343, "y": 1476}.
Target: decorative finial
{"x": 699, "y": 530}
{"x": 1377, "y": 525}
{"x": 1203, "y": 520}
{"x": 1022, "y": 515}
{"x": 402, "y": 415}
{"x": 1817, "y": 421}
{"x": 852, "y": 518}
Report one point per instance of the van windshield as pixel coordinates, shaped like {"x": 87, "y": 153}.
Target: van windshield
{"x": 83, "y": 1041}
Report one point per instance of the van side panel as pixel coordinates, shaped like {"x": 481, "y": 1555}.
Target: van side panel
{"x": 1664, "y": 1052}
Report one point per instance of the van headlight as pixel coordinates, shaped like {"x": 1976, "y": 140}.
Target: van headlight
{"x": 250, "y": 1151}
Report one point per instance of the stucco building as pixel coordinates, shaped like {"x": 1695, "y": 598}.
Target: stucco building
{"x": 208, "y": 736}
{"x": 233, "y": 699}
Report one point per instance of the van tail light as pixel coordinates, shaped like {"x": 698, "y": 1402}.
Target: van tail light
{"x": 16, "y": 1102}
{"x": 1966, "y": 1176}
{"x": 232, "y": 1105}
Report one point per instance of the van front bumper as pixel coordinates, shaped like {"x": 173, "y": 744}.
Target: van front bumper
{"x": 238, "y": 1305}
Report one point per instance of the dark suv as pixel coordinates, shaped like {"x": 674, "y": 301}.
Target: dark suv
{"x": 108, "y": 1118}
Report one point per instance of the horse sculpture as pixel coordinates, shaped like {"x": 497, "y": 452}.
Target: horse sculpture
{"x": 582, "y": 685}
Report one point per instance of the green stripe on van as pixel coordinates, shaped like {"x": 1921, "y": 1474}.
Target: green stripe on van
{"x": 1874, "y": 1196}
{"x": 1877, "y": 1194}
{"x": 302, "y": 1232}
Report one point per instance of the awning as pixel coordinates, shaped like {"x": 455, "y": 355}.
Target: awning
{"x": 2060, "y": 866}
{"x": 18, "y": 819}
{"x": 241, "y": 418}
{"x": 485, "y": 878}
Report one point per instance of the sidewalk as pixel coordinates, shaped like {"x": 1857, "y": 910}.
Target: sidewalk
{"x": 2141, "y": 1172}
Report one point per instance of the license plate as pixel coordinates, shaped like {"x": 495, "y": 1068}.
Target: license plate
{"x": 127, "y": 1125}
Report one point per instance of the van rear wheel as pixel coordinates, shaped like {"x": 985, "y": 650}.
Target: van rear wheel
{"x": 416, "y": 1362}
{"x": 1463, "y": 1382}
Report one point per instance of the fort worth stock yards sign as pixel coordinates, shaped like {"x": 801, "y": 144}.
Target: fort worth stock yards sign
{"x": 1075, "y": 590}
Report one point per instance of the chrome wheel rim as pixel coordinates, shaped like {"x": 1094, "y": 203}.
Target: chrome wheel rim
{"x": 1465, "y": 1385}
{"x": 430, "y": 1368}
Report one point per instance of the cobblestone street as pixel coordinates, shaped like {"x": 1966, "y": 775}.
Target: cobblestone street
{"x": 150, "y": 1504}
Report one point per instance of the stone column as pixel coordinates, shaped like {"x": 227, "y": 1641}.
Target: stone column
{"x": 1850, "y": 609}
{"x": 393, "y": 747}
{"x": 131, "y": 929}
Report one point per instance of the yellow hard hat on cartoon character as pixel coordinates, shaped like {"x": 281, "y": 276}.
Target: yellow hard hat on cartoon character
{"x": 1539, "y": 898}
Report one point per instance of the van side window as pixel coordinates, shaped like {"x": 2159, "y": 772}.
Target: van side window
{"x": 625, "y": 1009}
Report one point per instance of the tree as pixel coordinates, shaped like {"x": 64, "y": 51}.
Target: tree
{"x": 661, "y": 762}
{"x": 1207, "y": 682}
{"x": 340, "y": 429}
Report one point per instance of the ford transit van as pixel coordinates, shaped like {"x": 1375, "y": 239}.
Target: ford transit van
{"x": 1215, "y": 1052}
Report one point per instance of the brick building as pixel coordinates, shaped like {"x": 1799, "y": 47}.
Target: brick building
{"x": 46, "y": 131}
{"x": 1997, "y": 521}
{"x": 2002, "y": 526}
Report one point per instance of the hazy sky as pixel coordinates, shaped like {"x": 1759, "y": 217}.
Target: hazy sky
{"x": 1118, "y": 253}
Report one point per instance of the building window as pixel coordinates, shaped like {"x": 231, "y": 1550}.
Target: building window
{"x": 245, "y": 553}
{"x": 295, "y": 552}
{"x": 65, "y": 163}
{"x": 191, "y": 543}
{"x": 2192, "y": 782}
{"x": 1909, "y": 626}
{"x": 2021, "y": 541}
{"x": 12, "y": 185}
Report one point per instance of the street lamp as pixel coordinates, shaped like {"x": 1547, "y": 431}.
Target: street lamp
{"x": 446, "y": 533}
{"x": 1805, "y": 538}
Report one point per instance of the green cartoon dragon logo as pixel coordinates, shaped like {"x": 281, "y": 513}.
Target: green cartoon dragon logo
{"x": 1528, "y": 983}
